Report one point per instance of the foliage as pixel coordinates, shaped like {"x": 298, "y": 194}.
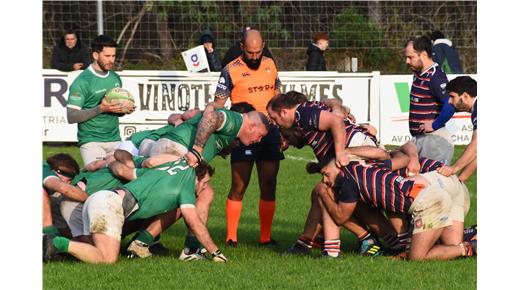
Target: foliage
{"x": 351, "y": 29}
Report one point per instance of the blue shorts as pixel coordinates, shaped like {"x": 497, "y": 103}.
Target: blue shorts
{"x": 267, "y": 149}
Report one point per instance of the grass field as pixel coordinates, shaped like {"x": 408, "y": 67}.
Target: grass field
{"x": 252, "y": 267}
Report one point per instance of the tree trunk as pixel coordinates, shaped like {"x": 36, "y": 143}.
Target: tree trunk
{"x": 165, "y": 39}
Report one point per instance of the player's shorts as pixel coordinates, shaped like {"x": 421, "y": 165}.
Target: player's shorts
{"x": 93, "y": 151}
{"x": 361, "y": 139}
{"x": 267, "y": 149}
{"x": 146, "y": 147}
{"x": 72, "y": 212}
{"x": 458, "y": 192}
{"x": 103, "y": 214}
{"x": 129, "y": 147}
{"x": 167, "y": 146}
{"x": 431, "y": 209}
{"x": 436, "y": 145}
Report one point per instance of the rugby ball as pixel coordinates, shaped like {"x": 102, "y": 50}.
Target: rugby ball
{"x": 122, "y": 96}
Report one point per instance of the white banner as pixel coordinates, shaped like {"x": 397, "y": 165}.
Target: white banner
{"x": 382, "y": 101}
{"x": 195, "y": 59}
{"x": 395, "y": 102}
{"x": 159, "y": 93}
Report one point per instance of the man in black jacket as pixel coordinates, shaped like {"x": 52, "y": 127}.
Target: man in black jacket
{"x": 316, "y": 61}
{"x": 212, "y": 53}
{"x": 69, "y": 54}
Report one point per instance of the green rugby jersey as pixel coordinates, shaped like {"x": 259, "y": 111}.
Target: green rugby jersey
{"x": 186, "y": 132}
{"x": 162, "y": 189}
{"x": 47, "y": 172}
{"x": 86, "y": 92}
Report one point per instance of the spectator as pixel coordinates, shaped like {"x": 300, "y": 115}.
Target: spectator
{"x": 236, "y": 50}
{"x": 320, "y": 43}
{"x": 212, "y": 53}
{"x": 69, "y": 53}
{"x": 445, "y": 54}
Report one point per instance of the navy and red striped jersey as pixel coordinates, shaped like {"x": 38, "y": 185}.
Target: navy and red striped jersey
{"x": 307, "y": 117}
{"x": 427, "y": 165}
{"x": 376, "y": 186}
{"x": 427, "y": 97}
{"x": 474, "y": 115}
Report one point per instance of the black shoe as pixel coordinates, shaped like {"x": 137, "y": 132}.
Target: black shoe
{"x": 299, "y": 249}
{"x": 231, "y": 243}
{"x": 159, "y": 249}
{"x": 270, "y": 243}
{"x": 49, "y": 251}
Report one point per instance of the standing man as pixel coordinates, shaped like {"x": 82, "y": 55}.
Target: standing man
{"x": 253, "y": 78}
{"x": 463, "y": 96}
{"x": 429, "y": 106}
{"x": 98, "y": 120}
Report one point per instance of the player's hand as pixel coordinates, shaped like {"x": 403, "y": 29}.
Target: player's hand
{"x": 342, "y": 159}
{"x": 77, "y": 66}
{"x": 218, "y": 257}
{"x": 446, "y": 170}
{"x": 191, "y": 159}
{"x": 130, "y": 110}
{"x": 370, "y": 129}
{"x": 284, "y": 144}
{"x": 426, "y": 127}
{"x": 413, "y": 167}
{"x": 116, "y": 108}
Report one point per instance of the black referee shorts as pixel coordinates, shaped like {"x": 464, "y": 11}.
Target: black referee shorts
{"x": 267, "y": 149}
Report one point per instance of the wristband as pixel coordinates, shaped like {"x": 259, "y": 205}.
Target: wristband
{"x": 197, "y": 154}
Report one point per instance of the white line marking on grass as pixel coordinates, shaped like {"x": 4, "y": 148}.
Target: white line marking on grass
{"x": 299, "y": 158}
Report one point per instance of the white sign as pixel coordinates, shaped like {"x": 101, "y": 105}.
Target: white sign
{"x": 195, "y": 59}
{"x": 381, "y": 101}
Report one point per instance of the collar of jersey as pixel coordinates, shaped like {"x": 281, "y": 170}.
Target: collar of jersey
{"x": 92, "y": 70}
{"x": 433, "y": 65}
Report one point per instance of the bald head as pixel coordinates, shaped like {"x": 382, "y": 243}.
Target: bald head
{"x": 252, "y": 37}
{"x": 252, "y": 47}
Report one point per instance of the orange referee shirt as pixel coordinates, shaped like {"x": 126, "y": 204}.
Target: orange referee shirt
{"x": 243, "y": 84}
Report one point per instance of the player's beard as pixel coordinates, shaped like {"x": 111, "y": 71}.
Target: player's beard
{"x": 105, "y": 66}
{"x": 253, "y": 64}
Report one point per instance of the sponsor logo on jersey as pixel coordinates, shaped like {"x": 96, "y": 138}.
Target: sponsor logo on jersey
{"x": 260, "y": 88}
{"x": 222, "y": 80}
{"x": 245, "y": 74}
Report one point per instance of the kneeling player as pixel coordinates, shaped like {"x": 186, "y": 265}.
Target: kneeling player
{"x": 171, "y": 186}
{"x": 423, "y": 198}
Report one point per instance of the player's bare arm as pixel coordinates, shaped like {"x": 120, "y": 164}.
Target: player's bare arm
{"x": 209, "y": 123}
{"x": 334, "y": 123}
{"x": 158, "y": 160}
{"x": 470, "y": 154}
{"x": 339, "y": 211}
{"x": 410, "y": 150}
{"x": 201, "y": 232}
{"x": 368, "y": 152}
{"x": 66, "y": 189}
{"x": 122, "y": 171}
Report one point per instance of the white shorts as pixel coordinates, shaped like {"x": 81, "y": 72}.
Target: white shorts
{"x": 436, "y": 145}
{"x": 72, "y": 212}
{"x": 146, "y": 147}
{"x": 458, "y": 192}
{"x": 431, "y": 209}
{"x": 129, "y": 147}
{"x": 360, "y": 139}
{"x": 167, "y": 146}
{"x": 93, "y": 151}
{"x": 103, "y": 214}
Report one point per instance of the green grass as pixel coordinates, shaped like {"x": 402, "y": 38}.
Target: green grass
{"x": 259, "y": 268}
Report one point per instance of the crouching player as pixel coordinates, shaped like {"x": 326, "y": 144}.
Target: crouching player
{"x": 161, "y": 189}
{"x": 424, "y": 197}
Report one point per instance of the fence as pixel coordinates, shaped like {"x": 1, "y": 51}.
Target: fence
{"x": 151, "y": 34}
